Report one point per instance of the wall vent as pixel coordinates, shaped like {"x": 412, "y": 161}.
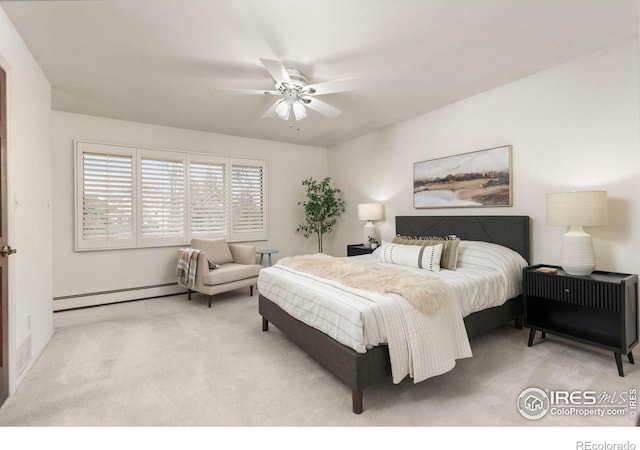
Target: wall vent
{"x": 24, "y": 355}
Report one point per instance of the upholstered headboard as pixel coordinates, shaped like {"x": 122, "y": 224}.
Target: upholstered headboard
{"x": 510, "y": 231}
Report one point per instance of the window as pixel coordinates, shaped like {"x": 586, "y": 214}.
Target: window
{"x": 208, "y": 196}
{"x": 162, "y": 210}
{"x": 105, "y": 197}
{"x": 247, "y": 197}
{"x": 133, "y": 197}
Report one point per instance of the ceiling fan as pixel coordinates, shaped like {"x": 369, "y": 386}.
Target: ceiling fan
{"x": 296, "y": 92}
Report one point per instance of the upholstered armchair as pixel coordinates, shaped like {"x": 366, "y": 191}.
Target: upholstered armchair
{"x": 223, "y": 267}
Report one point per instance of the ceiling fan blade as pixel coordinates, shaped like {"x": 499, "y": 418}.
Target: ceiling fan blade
{"x": 329, "y": 87}
{"x": 271, "y": 112}
{"x": 322, "y": 107}
{"x": 277, "y": 70}
{"x": 224, "y": 91}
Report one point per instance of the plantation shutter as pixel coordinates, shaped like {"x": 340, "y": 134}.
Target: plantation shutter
{"x": 248, "y": 200}
{"x": 162, "y": 198}
{"x": 208, "y": 194}
{"x": 129, "y": 197}
{"x": 105, "y": 196}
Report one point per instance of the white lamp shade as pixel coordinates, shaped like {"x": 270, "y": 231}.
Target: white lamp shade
{"x": 585, "y": 209}
{"x": 369, "y": 211}
{"x": 282, "y": 110}
{"x": 298, "y": 110}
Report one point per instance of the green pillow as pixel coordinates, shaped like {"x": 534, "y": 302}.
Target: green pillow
{"x": 449, "y": 258}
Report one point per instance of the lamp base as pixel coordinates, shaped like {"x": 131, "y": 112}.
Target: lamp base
{"x": 369, "y": 230}
{"x": 578, "y": 256}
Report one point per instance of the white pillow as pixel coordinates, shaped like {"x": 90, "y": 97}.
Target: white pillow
{"x": 217, "y": 250}
{"x": 486, "y": 255}
{"x": 424, "y": 257}
{"x": 497, "y": 258}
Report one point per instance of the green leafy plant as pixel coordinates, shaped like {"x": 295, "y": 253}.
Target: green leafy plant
{"x": 322, "y": 208}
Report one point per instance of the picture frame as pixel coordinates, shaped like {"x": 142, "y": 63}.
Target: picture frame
{"x": 481, "y": 178}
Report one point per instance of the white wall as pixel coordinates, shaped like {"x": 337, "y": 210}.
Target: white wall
{"x": 77, "y": 273}
{"x": 572, "y": 127}
{"x": 29, "y": 177}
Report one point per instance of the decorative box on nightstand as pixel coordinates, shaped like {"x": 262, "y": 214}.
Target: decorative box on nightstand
{"x": 600, "y": 309}
{"x": 358, "y": 249}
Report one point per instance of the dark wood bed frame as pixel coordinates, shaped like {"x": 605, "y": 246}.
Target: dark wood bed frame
{"x": 359, "y": 370}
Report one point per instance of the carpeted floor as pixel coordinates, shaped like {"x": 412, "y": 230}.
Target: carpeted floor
{"x": 171, "y": 362}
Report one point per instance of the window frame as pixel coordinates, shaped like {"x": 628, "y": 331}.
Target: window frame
{"x": 143, "y": 153}
{"x": 137, "y": 153}
{"x": 96, "y": 148}
{"x": 248, "y": 235}
{"x": 204, "y": 158}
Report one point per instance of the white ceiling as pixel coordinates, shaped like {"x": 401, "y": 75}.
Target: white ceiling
{"x": 159, "y": 61}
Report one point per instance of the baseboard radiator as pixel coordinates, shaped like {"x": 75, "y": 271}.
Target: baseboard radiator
{"x": 115, "y": 296}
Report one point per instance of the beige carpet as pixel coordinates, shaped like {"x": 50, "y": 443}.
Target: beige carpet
{"x": 171, "y": 362}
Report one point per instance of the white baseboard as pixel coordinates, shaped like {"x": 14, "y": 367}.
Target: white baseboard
{"x": 121, "y": 295}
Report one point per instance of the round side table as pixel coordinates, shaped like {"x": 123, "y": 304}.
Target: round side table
{"x": 266, "y": 252}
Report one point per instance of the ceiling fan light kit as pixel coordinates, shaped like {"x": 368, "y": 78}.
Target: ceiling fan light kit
{"x": 290, "y": 103}
{"x": 297, "y": 92}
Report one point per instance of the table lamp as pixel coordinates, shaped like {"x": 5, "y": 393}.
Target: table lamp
{"x": 369, "y": 212}
{"x": 577, "y": 210}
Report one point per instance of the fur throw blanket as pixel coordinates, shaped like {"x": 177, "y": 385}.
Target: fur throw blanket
{"x": 425, "y": 292}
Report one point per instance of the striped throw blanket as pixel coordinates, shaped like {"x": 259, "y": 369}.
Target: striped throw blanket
{"x": 187, "y": 265}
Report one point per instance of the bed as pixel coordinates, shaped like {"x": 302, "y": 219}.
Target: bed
{"x": 359, "y": 370}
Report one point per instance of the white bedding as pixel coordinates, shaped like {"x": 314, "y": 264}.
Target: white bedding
{"x": 487, "y": 276}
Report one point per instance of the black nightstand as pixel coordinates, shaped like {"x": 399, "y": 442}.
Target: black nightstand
{"x": 600, "y": 309}
{"x": 358, "y": 249}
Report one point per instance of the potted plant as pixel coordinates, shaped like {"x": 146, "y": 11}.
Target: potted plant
{"x": 322, "y": 208}
{"x": 373, "y": 242}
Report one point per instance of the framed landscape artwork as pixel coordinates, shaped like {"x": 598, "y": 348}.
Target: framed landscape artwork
{"x": 481, "y": 178}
